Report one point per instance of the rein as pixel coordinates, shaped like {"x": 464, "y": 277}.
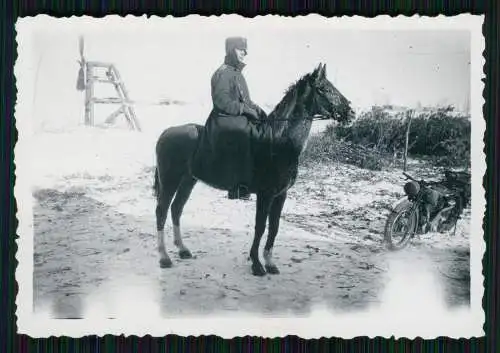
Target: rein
{"x": 271, "y": 123}
{"x": 313, "y": 118}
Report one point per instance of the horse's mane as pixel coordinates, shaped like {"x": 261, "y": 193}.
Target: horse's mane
{"x": 290, "y": 92}
{"x": 295, "y": 91}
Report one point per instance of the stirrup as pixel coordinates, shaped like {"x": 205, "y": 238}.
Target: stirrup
{"x": 239, "y": 192}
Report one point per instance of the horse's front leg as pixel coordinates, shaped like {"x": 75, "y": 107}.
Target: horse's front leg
{"x": 263, "y": 205}
{"x": 274, "y": 222}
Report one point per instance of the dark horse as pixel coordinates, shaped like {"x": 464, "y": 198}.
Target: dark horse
{"x": 275, "y": 170}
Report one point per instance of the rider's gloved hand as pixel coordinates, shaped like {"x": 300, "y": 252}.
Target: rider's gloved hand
{"x": 250, "y": 113}
{"x": 262, "y": 114}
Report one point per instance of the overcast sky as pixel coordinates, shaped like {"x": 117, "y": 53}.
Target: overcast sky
{"x": 175, "y": 58}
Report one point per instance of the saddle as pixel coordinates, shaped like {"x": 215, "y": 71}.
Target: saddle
{"x": 228, "y": 151}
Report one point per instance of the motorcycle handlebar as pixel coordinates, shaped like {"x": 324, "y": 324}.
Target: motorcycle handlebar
{"x": 408, "y": 176}
{"x": 412, "y": 178}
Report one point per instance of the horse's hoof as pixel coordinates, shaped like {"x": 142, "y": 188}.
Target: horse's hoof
{"x": 165, "y": 263}
{"x": 185, "y": 254}
{"x": 272, "y": 269}
{"x": 258, "y": 270}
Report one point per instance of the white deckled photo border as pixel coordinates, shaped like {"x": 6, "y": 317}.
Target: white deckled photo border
{"x": 319, "y": 323}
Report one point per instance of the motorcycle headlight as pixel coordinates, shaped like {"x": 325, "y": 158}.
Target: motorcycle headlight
{"x": 411, "y": 189}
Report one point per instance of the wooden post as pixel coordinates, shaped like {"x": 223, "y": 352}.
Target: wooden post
{"x": 410, "y": 116}
{"x": 111, "y": 119}
{"x": 113, "y": 77}
{"x": 89, "y": 93}
{"x": 122, "y": 92}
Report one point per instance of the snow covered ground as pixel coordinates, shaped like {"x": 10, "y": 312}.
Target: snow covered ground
{"x": 94, "y": 250}
{"x": 95, "y": 243}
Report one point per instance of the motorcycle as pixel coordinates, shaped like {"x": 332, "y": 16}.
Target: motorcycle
{"x": 412, "y": 214}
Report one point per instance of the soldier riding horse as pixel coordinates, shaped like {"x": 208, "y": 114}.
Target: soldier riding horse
{"x": 239, "y": 137}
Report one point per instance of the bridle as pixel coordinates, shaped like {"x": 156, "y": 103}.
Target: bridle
{"x": 270, "y": 122}
{"x": 315, "y": 117}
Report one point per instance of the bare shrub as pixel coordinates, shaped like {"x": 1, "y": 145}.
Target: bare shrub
{"x": 438, "y": 135}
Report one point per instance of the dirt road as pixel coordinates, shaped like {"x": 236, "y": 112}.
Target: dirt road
{"x": 329, "y": 248}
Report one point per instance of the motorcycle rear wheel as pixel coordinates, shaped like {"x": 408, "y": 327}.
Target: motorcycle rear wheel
{"x": 409, "y": 220}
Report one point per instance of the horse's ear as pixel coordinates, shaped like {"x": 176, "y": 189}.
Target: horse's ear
{"x": 318, "y": 72}
{"x": 323, "y": 72}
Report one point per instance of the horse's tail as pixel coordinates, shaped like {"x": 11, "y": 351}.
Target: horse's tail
{"x": 156, "y": 185}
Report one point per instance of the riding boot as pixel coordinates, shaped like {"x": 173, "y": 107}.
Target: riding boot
{"x": 239, "y": 192}
{"x": 244, "y": 171}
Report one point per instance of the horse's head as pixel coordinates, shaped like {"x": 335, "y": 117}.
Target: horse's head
{"x": 323, "y": 99}
{"x": 313, "y": 96}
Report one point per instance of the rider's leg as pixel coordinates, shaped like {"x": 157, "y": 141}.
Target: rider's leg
{"x": 244, "y": 163}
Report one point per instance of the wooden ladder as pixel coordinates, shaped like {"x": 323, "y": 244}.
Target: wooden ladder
{"x": 112, "y": 77}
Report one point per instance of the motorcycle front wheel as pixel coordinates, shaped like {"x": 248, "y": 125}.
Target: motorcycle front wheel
{"x": 400, "y": 226}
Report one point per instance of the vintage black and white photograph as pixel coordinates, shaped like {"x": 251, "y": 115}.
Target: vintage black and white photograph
{"x": 250, "y": 176}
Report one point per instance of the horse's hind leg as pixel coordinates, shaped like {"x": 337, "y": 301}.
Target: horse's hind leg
{"x": 274, "y": 222}
{"x": 183, "y": 192}
{"x": 262, "y": 212}
{"x": 165, "y": 192}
